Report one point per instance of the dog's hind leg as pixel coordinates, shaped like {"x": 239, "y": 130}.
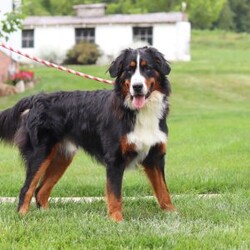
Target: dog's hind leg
{"x": 53, "y": 173}
{"x": 37, "y": 163}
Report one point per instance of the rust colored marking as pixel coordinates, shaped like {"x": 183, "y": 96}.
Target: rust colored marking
{"x": 132, "y": 64}
{"x": 143, "y": 63}
{"x": 153, "y": 84}
{"x": 160, "y": 188}
{"x": 127, "y": 147}
{"x": 53, "y": 173}
{"x": 114, "y": 205}
{"x": 26, "y": 204}
{"x": 163, "y": 148}
{"x": 125, "y": 87}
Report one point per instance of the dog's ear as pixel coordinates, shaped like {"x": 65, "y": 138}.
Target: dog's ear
{"x": 116, "y": 66}
{"x": 160, "y": 60}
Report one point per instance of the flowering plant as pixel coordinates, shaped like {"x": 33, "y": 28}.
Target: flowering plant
{"x": 25, "y": 76}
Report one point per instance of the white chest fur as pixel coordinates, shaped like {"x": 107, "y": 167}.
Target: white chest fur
{"x": 67, "y": 148}
{"x": 146, "y": 132}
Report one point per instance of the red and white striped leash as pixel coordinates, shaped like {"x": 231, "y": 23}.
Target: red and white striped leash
{"x": 58, "y": 67}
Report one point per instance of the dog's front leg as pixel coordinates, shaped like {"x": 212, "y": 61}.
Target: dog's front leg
{"x": 154, "y": 166}
{"x": 113, "y": 192}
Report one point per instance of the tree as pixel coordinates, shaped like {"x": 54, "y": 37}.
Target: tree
{"x": 52, "y": 7}
{"x": 203, "y": 14}
{"x": 12, "y": 22}
{"x": 226, "y": 18}
{"x": 241, "y": 9}
{"x": 142, "y": 6}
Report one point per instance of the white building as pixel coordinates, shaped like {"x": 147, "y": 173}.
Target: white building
{"x": 50, "y": 37}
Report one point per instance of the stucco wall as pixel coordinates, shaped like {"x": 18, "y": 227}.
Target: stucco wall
{"x": 173, "y": 40}
{"x": 113, "y": 38}
{"x": 52, "y": 43}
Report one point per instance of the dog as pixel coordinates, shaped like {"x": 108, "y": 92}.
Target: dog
{"x": 122, "y": 127}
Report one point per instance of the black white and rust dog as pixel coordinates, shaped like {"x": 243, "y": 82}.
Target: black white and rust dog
{"x": 120, "y": 127}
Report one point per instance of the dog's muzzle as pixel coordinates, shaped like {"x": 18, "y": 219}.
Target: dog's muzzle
{"x": 137, "y": 88}
{"x": 138, "y": 95}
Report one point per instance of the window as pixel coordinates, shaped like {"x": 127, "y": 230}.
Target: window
{"x": 85, "y": 35}
{"x": 28, "y": 38}
{"x": 144, "y": 34}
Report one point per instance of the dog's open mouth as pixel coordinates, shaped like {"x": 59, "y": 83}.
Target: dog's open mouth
{"x": 138, "y": 101}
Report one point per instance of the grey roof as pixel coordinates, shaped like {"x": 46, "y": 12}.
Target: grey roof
{"x": 90, "y": 6}
{"x": 150, "y": 18}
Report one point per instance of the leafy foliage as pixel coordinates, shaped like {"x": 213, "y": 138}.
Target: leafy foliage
{"x": 225, "y": 20}
{"x": 203, "y": 13}
{"x": 52, "y": 7}
{"x": 83, "y": 53}
{"x": 143, "y": 6}
{"x": 11, "y": 23}
{"x": 241, "y": 10}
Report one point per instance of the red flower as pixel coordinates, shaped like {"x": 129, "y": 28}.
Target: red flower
{"x": 23, "y": 75}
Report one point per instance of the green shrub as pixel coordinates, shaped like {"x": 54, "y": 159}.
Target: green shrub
{"x": 83, "y": 53}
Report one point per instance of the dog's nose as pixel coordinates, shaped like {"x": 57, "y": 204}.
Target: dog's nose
{"x": 137, "y": 87}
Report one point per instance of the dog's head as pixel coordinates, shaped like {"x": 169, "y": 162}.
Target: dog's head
{"x": 139, "y": 73}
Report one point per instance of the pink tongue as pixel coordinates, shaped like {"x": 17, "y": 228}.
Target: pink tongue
{"x": 138, "y": 101}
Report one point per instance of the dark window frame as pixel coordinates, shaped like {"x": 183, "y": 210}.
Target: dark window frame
{"x": 28, "y": 38}
{"x": 144, "y": 34}
{"x": 84, "y": 35}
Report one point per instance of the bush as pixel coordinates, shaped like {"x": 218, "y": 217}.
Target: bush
{"x": 83, "y": 53}
{"x": 25, "y": 76}
{"x": 203, "y": 14}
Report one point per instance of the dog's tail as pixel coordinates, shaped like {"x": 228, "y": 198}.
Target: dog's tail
{"x": 10, "y": 119}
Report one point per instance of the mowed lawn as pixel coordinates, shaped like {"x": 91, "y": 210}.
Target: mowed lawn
{"x": 208, "y": 153}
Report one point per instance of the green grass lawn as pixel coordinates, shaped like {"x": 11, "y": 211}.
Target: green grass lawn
{"x": 208, "y": 152}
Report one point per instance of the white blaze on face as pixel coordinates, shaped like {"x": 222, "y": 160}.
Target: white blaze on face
{"x": 137, "y": 78}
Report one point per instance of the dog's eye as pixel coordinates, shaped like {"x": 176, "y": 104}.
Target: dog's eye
{"x": 130, "y": 70}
